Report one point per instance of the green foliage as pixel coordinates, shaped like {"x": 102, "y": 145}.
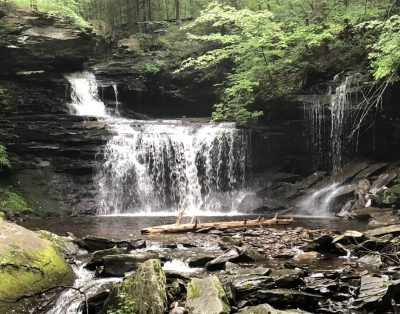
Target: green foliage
{"x": 4, "y": 162}
{"x": 67, "y": 8}
{"x": 385, "y": 54}
{"x": 125, "y": 306}
{"x": 154, "y": 68}
{"x": 266, "y": 49}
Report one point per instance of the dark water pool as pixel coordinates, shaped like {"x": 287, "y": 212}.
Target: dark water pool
{"x": 125, "y": 227}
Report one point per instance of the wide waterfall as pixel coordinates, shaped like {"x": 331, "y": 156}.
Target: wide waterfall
{"x": 153, "y": 167}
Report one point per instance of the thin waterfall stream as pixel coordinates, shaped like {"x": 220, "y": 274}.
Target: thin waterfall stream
{"x": 319, "y": 203}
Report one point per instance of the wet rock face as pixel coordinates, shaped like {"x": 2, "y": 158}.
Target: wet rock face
{"x": 33, "y": 41}
{"x": 29, "y": 265}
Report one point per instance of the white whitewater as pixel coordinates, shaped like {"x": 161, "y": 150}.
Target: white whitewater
{"x": 162, "y": 167}
{"x": 84, "y": 95}
{"x": 70, "y": 301}
{"x": 158, "y": 167}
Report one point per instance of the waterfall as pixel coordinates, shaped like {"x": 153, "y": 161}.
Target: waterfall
{"x": 340, "y": 121}
{"x": 84, "y": 95}
{"x": 115, "y": 89}
{"x": 332, "y": 149}
{"x": 160, "y": 166}
{"x": 151, "y": 167}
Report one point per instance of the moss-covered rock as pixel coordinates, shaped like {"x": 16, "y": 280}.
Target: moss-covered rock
{"x": 145, "y": 290}
{"x": 29, "y": 265}
{"x": 207, "y": 296}
{"x": 12, "y": 202}
{"x": 59, "y": 243}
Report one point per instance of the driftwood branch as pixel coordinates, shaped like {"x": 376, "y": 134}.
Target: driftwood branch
{"x": 195, "y": 225}
{"x": 180, "y": 216}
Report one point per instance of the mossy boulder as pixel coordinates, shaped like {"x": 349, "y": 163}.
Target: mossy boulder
{"x": 145, "y": 289}
{"x": 207, "y": 296}
{"x": 29, "y": 265}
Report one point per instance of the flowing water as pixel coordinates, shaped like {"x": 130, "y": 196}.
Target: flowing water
{"x": 340, "y": 122}
{"x": 320, "y": 202}
{"x": 158, "y": 167}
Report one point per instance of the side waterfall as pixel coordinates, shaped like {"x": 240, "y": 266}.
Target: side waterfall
{"x": 320, "y": 202}
{"x": 154, "y": 167}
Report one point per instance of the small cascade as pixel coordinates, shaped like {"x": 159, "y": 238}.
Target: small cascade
{"x": 84, "y": 95}
{"x": 340, "y": 122}
{"x": 318, "y": 203}
{"x": 70, "y": 301}
{"x": 160, "y": 166}
{"x": 151, "y": 167}
{"x": 115, "y": 89}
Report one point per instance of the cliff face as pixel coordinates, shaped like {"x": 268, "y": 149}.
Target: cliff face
{"x": 32, "y": 41}
{"x": 52, "y": 152}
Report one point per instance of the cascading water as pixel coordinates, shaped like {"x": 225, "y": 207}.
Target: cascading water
{"x": 163, "y": 167}
{"x": 84, "y": 95}
{"x": 340, "y": 121}
{"x": 150, "y": 167}
{"x": 320, "y": 202}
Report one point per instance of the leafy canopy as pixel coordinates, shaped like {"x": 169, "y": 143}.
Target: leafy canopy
{"x": 267, "y": 48}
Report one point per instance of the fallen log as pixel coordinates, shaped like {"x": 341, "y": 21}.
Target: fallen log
{"x": 195, "y": 225}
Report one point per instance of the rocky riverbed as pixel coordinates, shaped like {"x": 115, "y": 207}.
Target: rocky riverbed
{"x": 262, "y": 270}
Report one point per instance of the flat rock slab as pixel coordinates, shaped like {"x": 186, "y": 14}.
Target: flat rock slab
{"x": 395, "y": 229}
{"x": 268, "y": 309}
{"x": 372, "y": 291}
{"x": 284, "y": 298}
{"x": 207, "y": 296}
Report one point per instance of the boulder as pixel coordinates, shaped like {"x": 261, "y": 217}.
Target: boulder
{"x": 219, "y": 262}
{"x": 145, "y": 289}
{"x": 29, "y": 265}
{"x": 207, "y": 296}
{"x": 94, "y": 243}
{"x": 118, "y": 265}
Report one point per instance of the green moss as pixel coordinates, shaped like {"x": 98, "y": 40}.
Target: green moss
{"x": 59, "y": 243}
{"x": 193, "y": 290}
{"x": 14, "y": 202}
{"x": 4, "y": 98}
{"x": 27, "y": 273}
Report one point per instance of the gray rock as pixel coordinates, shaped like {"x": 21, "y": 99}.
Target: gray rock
{"x": 283, "y": 298}
{"x": 219, "y": 262}
{"x": 268, "y": 309}
{"x": 373, "y": 260}
{"x": 207, "y": 296}
{"x": 119, "y": 265}
{"x": 394, "y": 229}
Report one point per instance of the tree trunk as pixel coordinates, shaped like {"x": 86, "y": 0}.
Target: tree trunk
{"x": 196, "y": 225}
{"x": 178, "y": 11}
